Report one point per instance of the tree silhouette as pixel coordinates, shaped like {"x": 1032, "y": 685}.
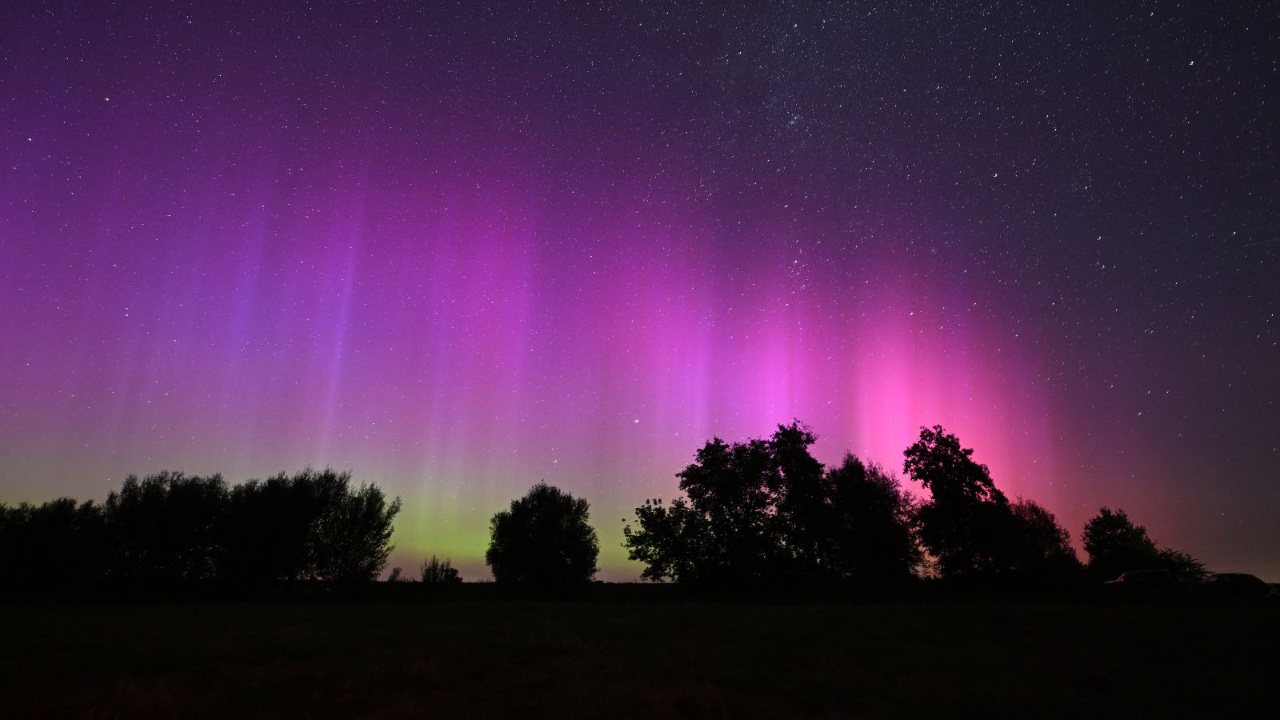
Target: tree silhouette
{"x": 543, "y": 539}
{"x": 802, "y": 514}
{"x": 52, "y": 545}
{"x": 1041, "y": 548}
{"x": 1116, "y": 545}
{"x": 352, "y": 537}
{"x": 672, "y": 541}
{"x": 750, "y": 497}
{"x": 439, "y": 572}
{"x": 873, "y": 515}
{"x": 170, "y": 529}
{"x": 948, "y": 471}
{"x": 765, "y": 511}
{"x": 311, "y": 526}
{"x": 268, "y": 534}
{"x": 739, "y": 521}
{"x": 163, "y": 528}
{"x": 1182, "y": 565}
{"x": 967, "y": 524}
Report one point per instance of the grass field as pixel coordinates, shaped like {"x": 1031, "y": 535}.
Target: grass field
{"x": 618, "y": 660}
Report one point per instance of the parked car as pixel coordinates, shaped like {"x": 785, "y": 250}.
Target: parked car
{"x": 1144, "y": 580}
{"x": 1236, "y": 584}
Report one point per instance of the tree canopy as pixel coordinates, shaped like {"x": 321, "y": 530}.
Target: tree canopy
{"x": 1041, "y": 547}
{"x": 966, "y": 524}
{"x": 164, "y": 527}
{"x": 312, "y": 525}
{"x": 543, "y": 539}
{"x": 52, "y": 545}
{"x": 871, "y": 517}
{"x": 1116, "y": 545}
{"x": 170, "y": 528}
{"x": 765, "y": 510}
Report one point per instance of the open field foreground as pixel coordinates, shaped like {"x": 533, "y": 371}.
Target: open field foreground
{"x": 566, "y": 660}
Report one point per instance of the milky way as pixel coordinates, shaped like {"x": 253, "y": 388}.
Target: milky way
{"x": 459, "y": 250}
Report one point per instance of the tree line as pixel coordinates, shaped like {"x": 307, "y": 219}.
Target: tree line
{"x": 766, "y": 511}
{"x": 172, "y": 529}
{"x": 759, "y": 512}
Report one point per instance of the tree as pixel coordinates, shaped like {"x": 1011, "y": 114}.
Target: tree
{"x": 439, "y": 572}
{"x": 872, "y": 514}
{"x": 673, "y": 541}
{"x": 352, "y": 536}
{"x": 1182, "y": 565}
{"x": 267, "y": 536}
{"x": 543, "y": 539}
{"x": 967, "y": 523}
{"x": 311, "y": 526}
{"x": 52, "y": 545}
{"x": 170, "y": 528}
{"x": 754, "y": 512}
{"x": 765, "y": 510}
{"x": 1041, "y": 547}
{"x": 948, "y": 471}
{"x": 164, "y": 528}
{"x": 1116, "y": 545}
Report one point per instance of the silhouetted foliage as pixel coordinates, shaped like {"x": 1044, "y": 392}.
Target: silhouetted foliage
{"x": 352, "y": 538}
{"x": 311, "y": 526}
{"x": 1042, "y": 547}
{"x": 765, "y": 511}
{"x": 967, "y": 524}
{"x": 439, "y": 572}
{"x": 53, "y": 545}
{"x": 271, "y": 535}
{"x": 1116, "y": 545}
{"x": 671, "y": 541}
{"x": 543, "y": 539}
{"x": 948, "y": 471}
{"x": 274, "y": 535}
{"x": 1183, "y": 566}
{"x": 163, "y": 528}
{"x": 760, "y": 511}
{"x": 170, "y": 529}
{"x": 737, "y": 523}
{"x": 873, "y": 515}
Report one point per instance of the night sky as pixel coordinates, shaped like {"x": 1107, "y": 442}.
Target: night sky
{"x": 458, "y": 249}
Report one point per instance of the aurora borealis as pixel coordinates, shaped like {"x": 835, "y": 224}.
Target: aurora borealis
{"x": 458, "y": 249}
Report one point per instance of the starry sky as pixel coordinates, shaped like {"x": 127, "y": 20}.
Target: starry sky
{"x": 460, "y": 248}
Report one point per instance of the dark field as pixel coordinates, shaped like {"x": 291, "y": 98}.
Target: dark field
{"x": 616, "y": 660}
